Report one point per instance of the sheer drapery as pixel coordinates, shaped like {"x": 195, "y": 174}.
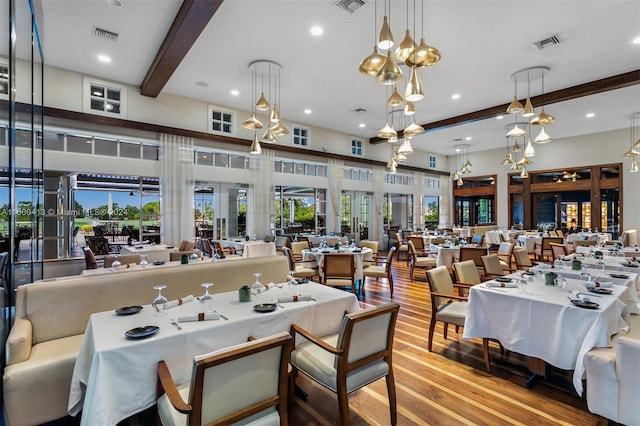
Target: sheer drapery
{"x": 177, "y": 185}
{"x": 375, "y": 221}
{"x": 444, "y": 219}
{"x": 335, "y": 169}
{"x": 420, "y": 191}
{"x": 260, "y": 196}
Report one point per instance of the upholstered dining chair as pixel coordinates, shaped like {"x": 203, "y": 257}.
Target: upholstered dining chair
{"x": 493, "y": 267}
{"x": 558, "y": 251}
{"x": 559, "y": 233}
{"x": 418, "y": 244}
{"x": 505, "y": 254}
{"x": 417, "y": 261}
{"x": 124, "y": 259}
{"x": 339, "y": 270}
{"x": 222, "y": 390}
{"x": 359, "y": 354}
{"x": 521, "y": 256}
{"x": 297, "y": 247}
{"x": 370, "y": 258}
{"x": 403, "y": 247}
{"x": 89, "y": 258}
{"x": 467, "y": 273}
{"x": 542, "y": 251}
{"x": 380, "y": 271}
{"x": 475, "y": 254}
{"x": 446, "y": 306}
{"x": 222, "y": 252}
{"x": 298, "y": 268}
{"x": 186, "y": 245}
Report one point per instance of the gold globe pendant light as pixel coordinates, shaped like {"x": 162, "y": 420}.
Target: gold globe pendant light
{"x": 395, "y": 99}
{"x": 409, "y": 108}
{"x": 413, "y": 129}
{"x": 406, "y": 46}
{"x": 389, "y": 73}
{"x": 372, "y": 63}
{"x": 543, "y": 137}
{"x": 387, "y": 132}
{"x": 255, "y": 145}
{"x": 414, "y": 91}
{"x": 542, "y": 119}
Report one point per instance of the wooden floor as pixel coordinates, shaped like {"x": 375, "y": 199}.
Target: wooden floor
{"x": 449, "y": 386}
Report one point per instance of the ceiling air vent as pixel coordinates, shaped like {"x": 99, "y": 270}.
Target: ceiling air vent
{"x": 359, "y": 110}
{"x": 554, "y": 39}
{"x": 107, "y": 35}
{"x": 350, "y": 5}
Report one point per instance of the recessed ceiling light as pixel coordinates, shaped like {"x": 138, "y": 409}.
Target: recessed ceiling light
{"x": 455, "y": 96}
{"x": 104, "y": 59}
{"x": 457, "y": 149}
{"x": 636, "y": 40}
{"x": 468, "y": 138}
{"x": 307, "y": 111}
{"x": 201, "y": 84}
{"x": 234, "y": 92}
{"x": 590, "y": 115}
{"x": 361, "y": 125}
{"x": 500, "y": 117}
{"x": 316, "y": 30}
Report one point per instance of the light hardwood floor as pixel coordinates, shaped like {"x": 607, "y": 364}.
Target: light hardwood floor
{"x": 449, "y": 386}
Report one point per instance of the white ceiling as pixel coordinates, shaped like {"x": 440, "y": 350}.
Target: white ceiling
{"x": 482, "y": 44}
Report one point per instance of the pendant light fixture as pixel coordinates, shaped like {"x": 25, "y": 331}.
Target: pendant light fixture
{"x": 543, "y": 137}
{"x": 542, "y": 118}
{"x": 413, "y": 129}
{"x": 372, "y": 63}
{"x": 388, "y": 132}
{"x": 255, "y": 145}
{"x": 405, "y": 147}
{"x": 632, "y": 153}
{"x": 409, "y": 109}
{"x": 385, "y": 40}
{"x": 414, "y": 90}
{"x": 508, "y": 158}
{"x": 515, "y": 106}
{"x": 263, "y": 68}
{"x": 516, "y": 131}
{"x": 252, "y": 123}
{"x": 634, "y": 165}
{"x": 389, "y": 73}
{"x": 528, "y": 111}
{"x": 423, "y": 55}
{"x": 529, "y": 151}
{"x": 407, "y": 45}
{"x": 395, "y": 99}
{"x": 262, "y": 103}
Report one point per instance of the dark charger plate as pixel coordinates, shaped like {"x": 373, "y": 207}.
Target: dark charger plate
{"x": 142, "y": 332}
{"x": 128, "y": 310}
{"x": 599, "y": 290}
{"x": 503, "y": 280}
{"x": 620, "y": 276}
{"x": 586, "y": 305}
{"x": 265, "y": 307}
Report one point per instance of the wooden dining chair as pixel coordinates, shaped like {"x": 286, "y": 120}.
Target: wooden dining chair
{"x": 298, "y": 268}
{"x": 359, "y": 354}
{"x": 380, "y": 271}
{"x": 542, "y": 251}
{"x": 475, "y": 254}
{"x": 521, "y": 256}
{"x": 89, "y": 258}
{"x": 418, "y": 244}
{"x": 493, "y": 267}
{"x": 339, "y": 270}
{"x": 505, "y": 254}
{"x": 222, "y": 390}
{"x": 420, "y": 261}
{"x": 222, "y": 252}
{"x": 403, "y": 247}
{"x": 297, "y": 247}
{"x": 370, "y": 258}
{"x": 558, "y": 251}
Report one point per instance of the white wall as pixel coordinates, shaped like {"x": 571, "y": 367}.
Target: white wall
{"x": 587, "y": 150}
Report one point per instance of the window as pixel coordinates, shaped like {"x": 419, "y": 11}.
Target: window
{"x": 356, "y": 147}
{"x": 221, "y": 121}
{"x": 106, "y": 147}
{"x": 300, "y": 136}
{"x": 80, "y": 144}
{"x": 432, "y": 162}
{"x": 4, "y": 80}
{"x": 130, "y": 149}
{"x": 204, "y": 158}
{"x": 100, "y": 97}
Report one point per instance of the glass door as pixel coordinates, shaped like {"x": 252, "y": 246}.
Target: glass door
{"x": 355, "y": 213}
{"x": 545, "y": 211}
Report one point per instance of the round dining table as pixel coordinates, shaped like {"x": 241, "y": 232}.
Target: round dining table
{"x": 315, "y": 257}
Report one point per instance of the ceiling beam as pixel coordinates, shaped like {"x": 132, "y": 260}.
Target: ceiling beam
{"x": 587, "y": 89}
{"x": 190, "y": 21}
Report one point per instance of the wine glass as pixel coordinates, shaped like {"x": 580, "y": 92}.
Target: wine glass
{"x": 207, "y": 296}
{"x": 116, "y": 263}
{"x": 143, "y": 260}
{"x": 294, "y": 282}
{"x": 559, "y": 264}
{"x": 159, "y": 300}
{"x": 257, "y": 287}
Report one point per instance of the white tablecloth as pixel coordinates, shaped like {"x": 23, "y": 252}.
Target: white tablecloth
{"x": 258, "y": 249}
{"x": 627, "y": 251}
{"x": 529, "y": 242}
{"x": 315, "y": 240}
{"x": 600, "y": 237}
{"x": 154, "y": 252}
{"x": 609, "y": 263}
{"x": 493, "y": 237}
{"x": 544, "y": 324}
{"x": 317, "y": 255}
{"x": 446, "y": 255}
{"x": 463, "y": 232}
{"x": 115, "y": 377}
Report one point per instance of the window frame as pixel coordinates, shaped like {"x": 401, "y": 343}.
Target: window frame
{"x": 210, "y": 120}
{"x": 87, "y": 82}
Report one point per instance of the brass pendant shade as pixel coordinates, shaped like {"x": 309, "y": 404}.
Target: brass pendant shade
{"x": 542, "y": 119}
{"x": 389, "y": 73}
{"x": 460, "y": 182}
{"x": 385, "y": 41}
{"x": 525, "y": 161}
{"x": 269, "y": 136}
{"x": 524, "y": 174}
{"x": 372, "y": 63}
{"x": 508, "y": 158}
{"x": 516, "y": 147}
{"x": 414, "y": 90}
{"x": 252, "y": 123}
{"x": 456, "y": 175}
{"x": 543, "y": 137}
{"x": 405, "y": 147}
{"x": 395, "y": 99}
{"x": 529, "y": 151}
{"x": 255, "y": 146}
{"x": 409, "y": 109}
{"x": 405, "y": 48}
{"x": 279, "y": 129}
{"x": 413, "y": 129}
{"x": 399, "y": 157}
{"x": 392, "y": 166}
{"x": 423, "y": 56}
{"x": 387, "y": 132}
{"x": 631, "y": 153}
{"x": 528, "y": 111}
{"x": 275, "y": 114}
{"x": 516, "y": 132}
{"x": 515, "y": 106}
{"x": 263, "y": 104}
{"x": 514, "y": 166}
{"x": 634, "y": 166}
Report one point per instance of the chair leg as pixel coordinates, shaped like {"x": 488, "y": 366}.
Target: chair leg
{"x": 391, "y": 391}
{"x": 485, "y": 354}
{"x": 390, "y": 279}
{"x": 343, "y": 404}
{"x": 432, "y": 327}
{"x": 411, "y": 271}
{"x": 446, "y": 329}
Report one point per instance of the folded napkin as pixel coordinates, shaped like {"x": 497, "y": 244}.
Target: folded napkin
{"x": 200, "y": 317}
{"x": 286, "y": 299}
{"x": 499, "y": 284}
{"x": 601, "y": 284}
{"x": 173, "y": 303}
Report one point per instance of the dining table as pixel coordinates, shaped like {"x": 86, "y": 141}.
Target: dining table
{"x": 123, "y": 269}
{"x": 315, "y": 257}
{"x": 609, "y": 251}
{"x": 600, "y": 237}
{"x": 114, "y": 376}
{"x": 529, "y": 242}
{"x": 542, "y": 322}
{"x": 154, "y": 252}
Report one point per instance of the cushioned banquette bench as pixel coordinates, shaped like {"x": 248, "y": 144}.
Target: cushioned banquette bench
{"x": 51, "y": 317}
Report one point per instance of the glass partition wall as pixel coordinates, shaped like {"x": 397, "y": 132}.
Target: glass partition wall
{"x": 300, "y": 210}
{"x": 474, "y": 201}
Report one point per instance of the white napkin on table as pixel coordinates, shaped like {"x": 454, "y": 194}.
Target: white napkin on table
{"x": 601, "y": 284}
{"x": 200, "y": 317}
{"x": 181, "y": 301}
{"x": 500, "y": 284}
{"x": 286, "y": 299}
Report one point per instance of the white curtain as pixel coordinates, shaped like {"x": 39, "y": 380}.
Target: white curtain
{"x": 444, "y": 201}
{"x": 336, "y": 172}
{"x": 376, "y": 221}
{"x": 177, "y": 187}
{"x": 419, "y": 192}
{"x": 261, "y": 194}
